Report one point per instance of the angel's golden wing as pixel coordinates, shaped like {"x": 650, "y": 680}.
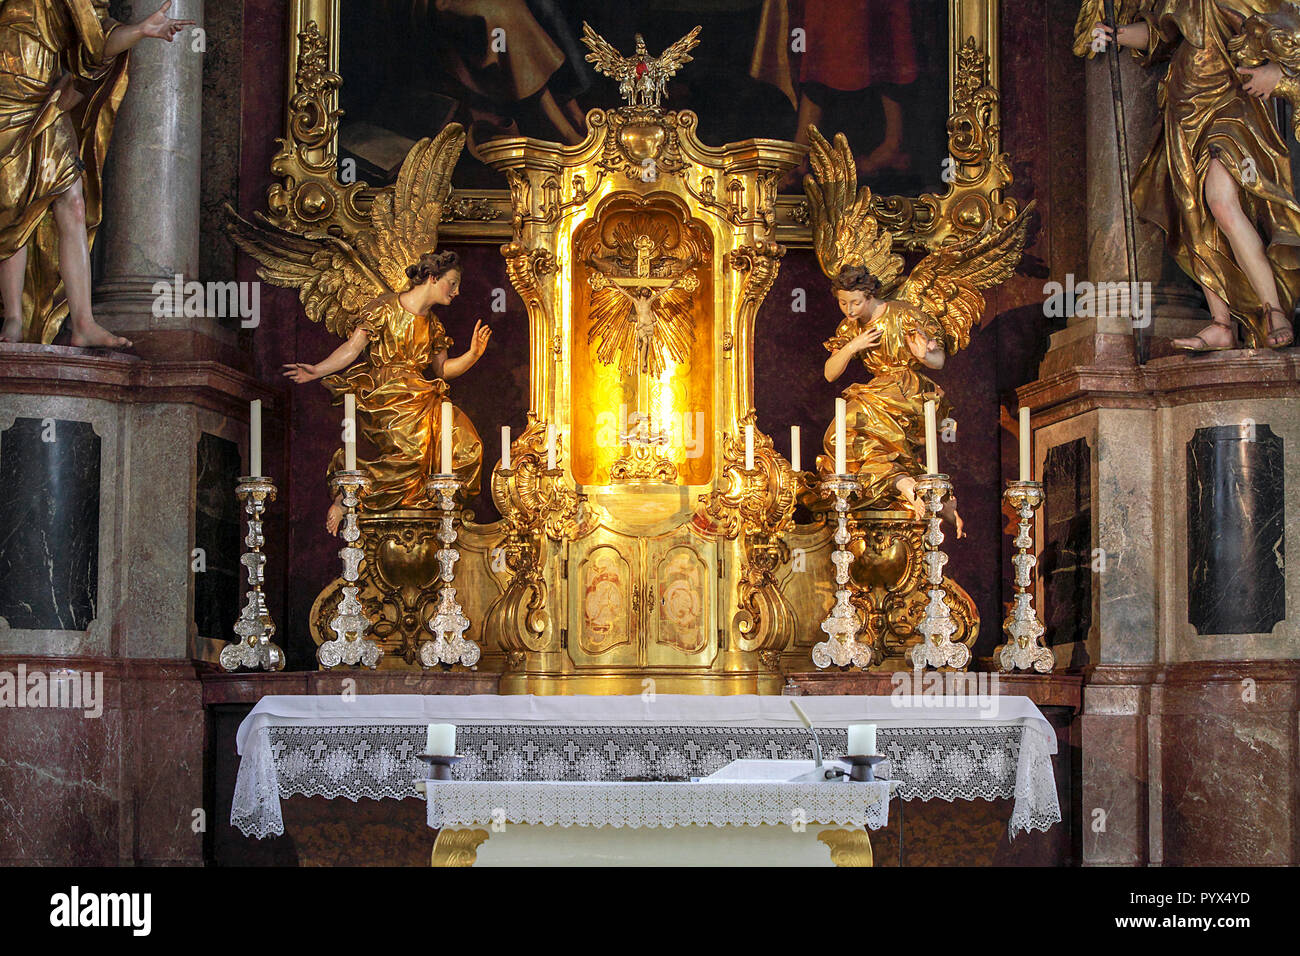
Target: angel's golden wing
{"x": 606, "y": 59}
{"x": 1091, "y": 12}
{"x": 677, "y": 55}
{"x": 844, "y": 231}
{"x": 333, "y": 279}
{"x": 947, "y": 284}
{"x": 404, "y": 220}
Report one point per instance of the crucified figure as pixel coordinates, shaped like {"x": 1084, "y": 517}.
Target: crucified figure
{"x": 643, "y": 319}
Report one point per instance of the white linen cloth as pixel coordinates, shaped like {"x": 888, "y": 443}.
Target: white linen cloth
{"x": 940, "y": 747}
{"x": 606, "y": 804}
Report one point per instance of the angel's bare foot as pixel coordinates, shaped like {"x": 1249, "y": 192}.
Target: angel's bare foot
{"x": 90, "y": 334}
{"x": 949, "y": 511}
{"x": 907, "y": 488}
{"x": 333, "y": 518}
{"x": 12, "y": 330}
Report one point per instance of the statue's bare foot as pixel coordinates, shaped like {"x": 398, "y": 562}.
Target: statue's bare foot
{"x": 949, "y": 511}
{"x": 12, "y": 330}
{"x": 1215, "y": 337}
{"x": 333, "y": 518}
{"x": 92, "y": 335}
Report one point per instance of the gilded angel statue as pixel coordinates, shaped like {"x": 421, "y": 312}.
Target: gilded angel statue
{"x": 899, "y": 327}
{"x": 1218, "y": 178}
{"x": 378, "y": 291}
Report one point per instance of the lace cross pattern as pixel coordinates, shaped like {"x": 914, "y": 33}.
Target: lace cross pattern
{"x": 966, "y": 762}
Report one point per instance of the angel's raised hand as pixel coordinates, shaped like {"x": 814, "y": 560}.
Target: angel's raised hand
{"x": 478, "y": 344}
{"x": 162, "y": 27}
{"x": 301, "y": 372}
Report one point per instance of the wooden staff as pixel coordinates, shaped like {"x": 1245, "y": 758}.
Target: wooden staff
{"x": 1126, "y": 182}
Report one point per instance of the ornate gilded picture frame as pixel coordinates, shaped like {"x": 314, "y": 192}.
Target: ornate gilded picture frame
{"x": 318, "y": 189}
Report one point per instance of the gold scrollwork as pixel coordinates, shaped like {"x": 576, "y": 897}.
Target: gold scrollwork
{"x": 457, "y": 847}
{"x": 848, "y": 847}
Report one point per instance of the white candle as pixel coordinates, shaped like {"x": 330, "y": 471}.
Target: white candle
{"x": 255, "y": 438}
{"x": 445, "y": 429}
{"x": 441, "y": 740}
{"x": 794, "y": 448}
{"x": 505, "y": 447}
{"x": 931, "y": 440}
{"x": 749, "y": 447}
{"x": 1026, "y": 438}
{"x": 862, "y": 740}
{"x": 349, "y": 432}
{"x": 550, "y": 447}
{"x": 841, "y": 410}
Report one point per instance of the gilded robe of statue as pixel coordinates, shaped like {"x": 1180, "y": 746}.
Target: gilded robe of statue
{"x": 1208, "y": 114}
{"x": 399, "y": 411}
{"x": 885, "y": 417}
{"x": 46, "y": 45}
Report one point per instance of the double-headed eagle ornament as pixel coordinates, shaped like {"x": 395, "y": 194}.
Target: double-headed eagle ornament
{"x": 642, "y": 79}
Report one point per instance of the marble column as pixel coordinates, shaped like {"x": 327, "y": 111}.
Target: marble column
{"x": 1106, "y": 336}
{"x": 151, "y": 199}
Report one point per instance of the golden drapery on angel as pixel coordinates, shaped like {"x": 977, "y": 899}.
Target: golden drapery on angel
{"x": 354, "y": 286}
{"x": 931, "y": 313}
{"x": 45, "y": 47}
{"x": 1210, "y": 117}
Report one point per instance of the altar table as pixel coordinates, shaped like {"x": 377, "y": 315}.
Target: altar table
{"x": 712, "y": 822}
{"x": 365, "y": 746}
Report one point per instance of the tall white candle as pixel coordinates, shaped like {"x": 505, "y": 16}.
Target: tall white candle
{"x": 255, "y": 438}
{"x": 445, "y": 435}
{"x": 349, "y": 432}
{"x": 862, "y": 740}
{"x": 550, "y": 447}
{"x": 1026, "y": 438}
{"x": 841, "y": 411}
{"x": 441, "y": 740}
{"x": 749, "y": 447}
{"x": 794, "y": 449}
{"x": 931, "y": 440}
{"x": 505, "y": 447}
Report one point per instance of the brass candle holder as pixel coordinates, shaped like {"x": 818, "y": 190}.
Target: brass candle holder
{"x": 448, "y": 623}
{"x": 842, "y": 624}
{"x": 254, "y": 649}
{"x": 937, "y": 648}
{"x": 350, "y": 624}
{"x": 1024, "y": 649}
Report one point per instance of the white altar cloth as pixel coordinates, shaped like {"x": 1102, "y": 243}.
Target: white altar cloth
{"x": 989, "y": 748}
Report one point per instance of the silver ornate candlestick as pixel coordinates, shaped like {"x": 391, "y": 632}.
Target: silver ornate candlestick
{"x": 448, "y": 623}
{"x": 937, "y": 648}
{"x": 1024, "y": 648}
{"x": 842, "y": 646}
{"x": 254, "y": 648}
{"x": 350, "y": 624}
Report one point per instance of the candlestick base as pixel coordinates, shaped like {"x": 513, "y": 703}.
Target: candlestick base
{"x": 862, "y": 765}
{"x": 448, "y": 622}
{"x": 254, "y": 649}
{"x": 937, "y": 648}
{"x": 842, "y": 624}
{"x": 1024, "y": 649}
{"x": 440, "y": 765}
{"x": 349, "y": 624}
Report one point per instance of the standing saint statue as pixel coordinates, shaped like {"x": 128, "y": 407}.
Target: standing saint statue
{"x": 391, "y": 336}
{"x": 63, "y": 73}
{"x": 899, "y": 328}
{"x": 1218, "y": 178}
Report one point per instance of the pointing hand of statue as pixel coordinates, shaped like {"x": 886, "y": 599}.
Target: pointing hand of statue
{"x": 301, "y": 372}
{"x": 162, "y": 27}
{"x": 478, "y": 344}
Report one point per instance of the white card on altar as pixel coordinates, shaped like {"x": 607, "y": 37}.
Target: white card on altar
{"x": 770, "y": 769}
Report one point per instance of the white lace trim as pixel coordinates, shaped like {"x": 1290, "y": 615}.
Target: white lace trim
{"x": 636, "y": 805}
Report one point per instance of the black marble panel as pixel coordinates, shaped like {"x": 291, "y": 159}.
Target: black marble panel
{"x": 49, "y": 524}
{"x": 1066, "y": 559}
{"x": 1236, "y": 535}
{"x": 217, "y": 532}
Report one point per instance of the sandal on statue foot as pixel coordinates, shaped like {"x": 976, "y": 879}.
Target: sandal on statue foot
{"x": 1279, "y": 338}
{"x": 1200, "y": 345}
